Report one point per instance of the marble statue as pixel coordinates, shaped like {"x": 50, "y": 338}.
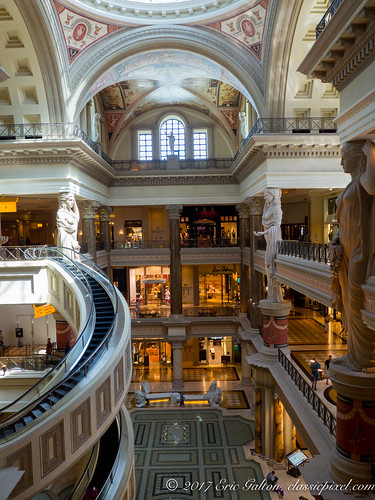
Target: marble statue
{"x": 352, "y": 251}
{"x": 171, "y": 139}
{"x": 96, "y": 127}
{"x": 67, "y": 219}
{"x": 271, "y": 220}
{"x": 140, "y": 398}
{"x": 243, "y": 124}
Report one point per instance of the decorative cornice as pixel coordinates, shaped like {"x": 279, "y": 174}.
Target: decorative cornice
{"x": 243, "y": 211}
{"x": 301, "y": 150}
{"x": 255, "y": 205}
{"x": 88, "y": 208}
{"x": 174, "y": 211}
{"x": 183, "y": 180}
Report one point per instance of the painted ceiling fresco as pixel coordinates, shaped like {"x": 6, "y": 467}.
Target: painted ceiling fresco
{"x": 143, "y": 95}
{"x": 80, "y": 31}
{"x": 246, "y": 27}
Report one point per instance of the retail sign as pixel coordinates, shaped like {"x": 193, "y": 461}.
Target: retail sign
{"x": 222, "y": 270}
{"x": 40, "y": 311}
{"x": 8, "y": 204}
{"x": 153, "y": 281}
{"x": 133, "y": 223}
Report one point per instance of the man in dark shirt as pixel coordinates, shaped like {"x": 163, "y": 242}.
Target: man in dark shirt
{"x": 326, "y": 367}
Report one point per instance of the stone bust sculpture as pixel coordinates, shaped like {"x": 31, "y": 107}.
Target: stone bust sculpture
{"x": 271, "y": 220}
{"x": 352, "y": 251}
{"x": 67, "y": 219}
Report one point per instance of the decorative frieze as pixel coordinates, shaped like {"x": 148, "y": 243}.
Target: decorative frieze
{"x": 103, "y": 402}
{"x": 80, "y": 424}
{"x": 174, "y": 181}
{"x": 52, "y": 448}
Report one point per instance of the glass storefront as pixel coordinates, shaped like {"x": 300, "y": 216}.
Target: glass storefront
{"x": 133, "y": 231}
{"x": 148, "y": 352}
{"x": 218, "y": 285}
{"x": 149, "y": 285}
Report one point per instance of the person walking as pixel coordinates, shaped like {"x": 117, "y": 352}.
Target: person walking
{"x": 314, "y": 367}
{"x": 327, "y": 362}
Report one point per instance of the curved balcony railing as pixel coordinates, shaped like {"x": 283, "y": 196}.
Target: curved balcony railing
{"x": 78, "y": 360}
{"x": 330, "y": 12}
{"x": 118, "y": 245}
{"x": 309, "y": 125}
{"x": 328, "y": 419}
{"x": 141, "y": 166}
{"x": 316, "y": 252}
{"x": 209, "y": 242}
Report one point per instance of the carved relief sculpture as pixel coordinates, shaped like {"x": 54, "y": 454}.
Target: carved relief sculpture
{"x": 271, "y": 220}
{"x": 352, "y": 251}
{"x": 67, "y": 219}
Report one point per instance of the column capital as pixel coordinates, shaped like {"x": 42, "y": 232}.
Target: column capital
{"x": 105, "y": 213}
{"x": 242, "y": 210}
{"x": 174, "y": 211}
{"x": 88, "y": 208}
{"x": 255, "y": 205}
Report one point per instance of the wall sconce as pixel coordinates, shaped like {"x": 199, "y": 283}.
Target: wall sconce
{"x": 80, "y": 233}
{"x": 121, "y": 232}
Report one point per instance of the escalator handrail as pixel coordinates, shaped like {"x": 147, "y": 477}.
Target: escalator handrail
{"x": 41, "y": 254}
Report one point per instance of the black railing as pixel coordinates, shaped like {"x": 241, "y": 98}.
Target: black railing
{"x": 331, "y": 11}
{"x": 329, "y": 420}
{"x": 261, "y": 243}
{"x": 209, "y": 242}
{"x": 310, "y": 251}
{"x": 309, "y": 125}
{"x": 140, "y": 166}
{"x": 141, "y": 244}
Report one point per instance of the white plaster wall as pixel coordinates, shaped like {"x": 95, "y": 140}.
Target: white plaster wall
{"x": 22, "y": 316}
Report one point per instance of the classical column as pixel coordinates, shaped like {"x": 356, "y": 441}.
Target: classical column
{"x": 288, "y": 433}
{"x": 255, "y": 206}
{"x": 278, "y": 432}
{"x": 88, "y": 210}
{"x": 355, "y": 422}
{"x": 243, "y": 213}
{"x": 105, "y": 234}
{"x": 196, "y": 285}
{"x": 245, "y": 367}
{"x": 258, "y": 419}
{"x": 268, "y": 422}
{"x": 178, "y": 381}
{"x": 174, "y": 212}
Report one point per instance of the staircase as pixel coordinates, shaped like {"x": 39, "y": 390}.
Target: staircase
{"x": 104, "y": 312}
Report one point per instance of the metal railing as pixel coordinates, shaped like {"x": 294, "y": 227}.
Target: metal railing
{"x": 140, "y": 166}
{"x": 328, "y": 419}
{"x": 70, "y": 364}
{"x": 331, "y": 11}
{"x": 209, "y": 243}
{"x": 318, "y": 125}
{"x": 310, "y": 251}
{"x": 141, "y": 244}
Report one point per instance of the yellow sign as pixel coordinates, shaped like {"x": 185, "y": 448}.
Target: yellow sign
{"x": 8, "y": 204}
{"x": 40, "y": 311}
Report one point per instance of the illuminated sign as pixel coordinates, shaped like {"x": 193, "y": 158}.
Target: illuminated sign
{"x": 8, "y": 204}
{"x": 40, "y": 311}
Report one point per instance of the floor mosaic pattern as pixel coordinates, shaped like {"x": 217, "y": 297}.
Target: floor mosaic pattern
{"x": 187, "y": 454}
{"x": 165, "y": 374}
{"x": 303, "y": 358}
{"x": 310, "y": 331}
{"x": 232, "y": 400}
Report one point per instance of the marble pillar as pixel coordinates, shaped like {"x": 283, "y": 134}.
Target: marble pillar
{"x": 245, "y": 367}
{"x": 244, "y": 215}
{"x": 178, "y": 381}
{"x": 258, "y": 419}
{"x": 275, "y": 323}
{"x": 174, "y": 212}
{"x": 355, "y": 424}
{"x": 105, "y": 233}
{"x": 268, "y": 422}
{"x": 255, "y": 206}
{"x": 288, "y": 433}
{"x": 88, "y": 210}
{"x": 196, "y": 285}
{"x": 278, "y": 442}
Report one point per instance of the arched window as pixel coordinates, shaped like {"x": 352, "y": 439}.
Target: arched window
{"x": 172, "y": 138}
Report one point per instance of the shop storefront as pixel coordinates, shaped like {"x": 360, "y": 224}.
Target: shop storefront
{"x": 149, "y": 285}
{"x": 218, "y": 284}
{"x": 133, "y": 231}
{"x": 148, "y": 352}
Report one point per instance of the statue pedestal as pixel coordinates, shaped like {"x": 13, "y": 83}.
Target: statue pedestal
{"x": 172, "y": 162}
{"x": 351, "y": 460}
{"x": 275, "y": 323}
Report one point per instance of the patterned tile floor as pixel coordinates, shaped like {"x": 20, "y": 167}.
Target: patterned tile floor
{"x": 165, "y": 374}
{"x": 232, "y": 400}
{"x": 196, "y": 455}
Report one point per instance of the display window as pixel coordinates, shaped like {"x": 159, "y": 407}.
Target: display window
{"x": 148, "y": 352}
{"x": 133, "y": 231}
{"x": 218, "y": 284}
{"x": 228, "y": 227}
{"x": 149, "y": 285}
